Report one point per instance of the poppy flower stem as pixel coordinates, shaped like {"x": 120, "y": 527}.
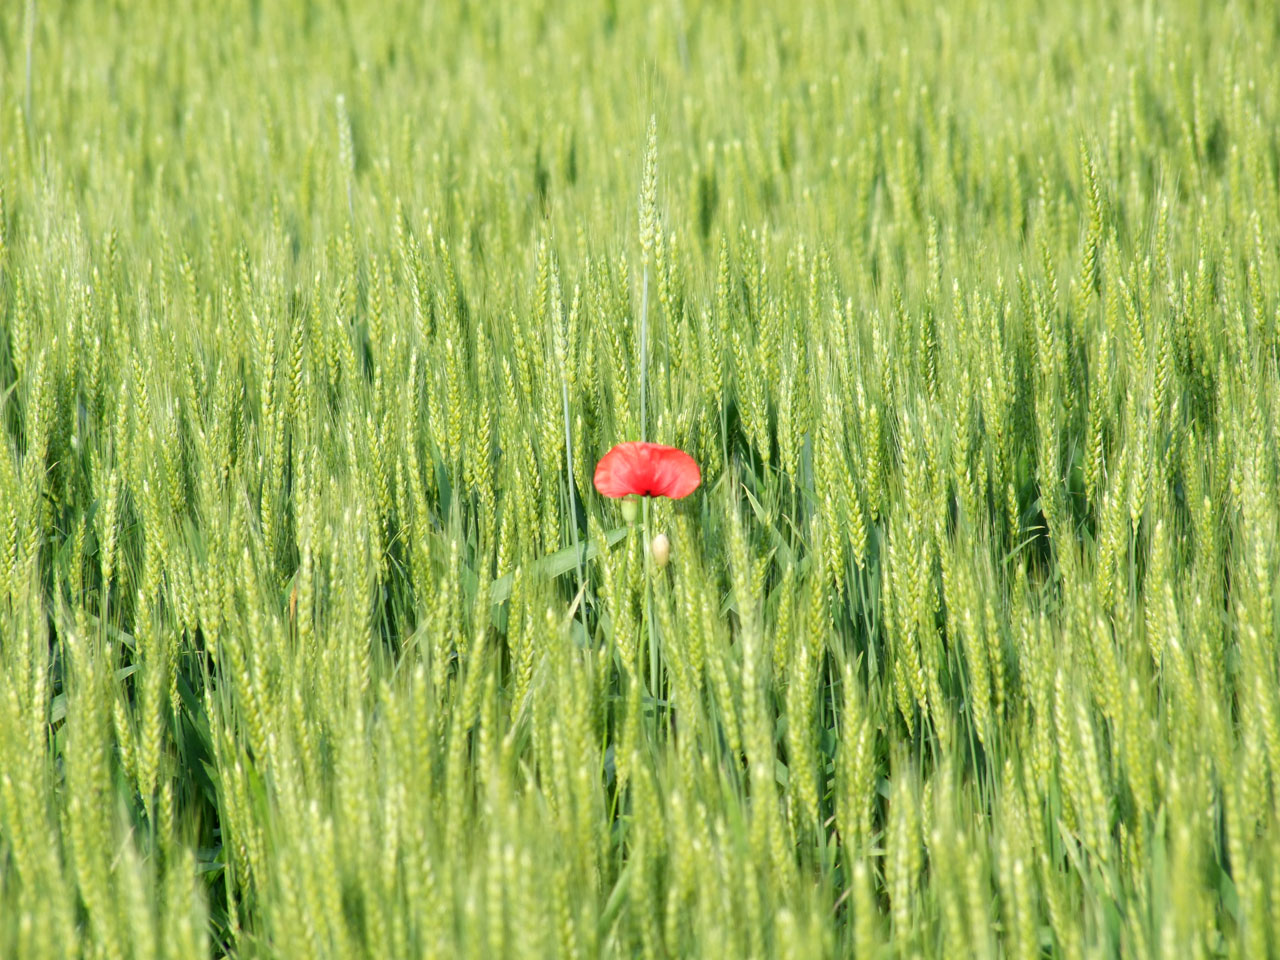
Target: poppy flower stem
{"x": 655, "y": 676}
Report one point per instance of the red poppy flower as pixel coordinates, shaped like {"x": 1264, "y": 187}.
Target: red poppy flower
{"x": 647, "y": 469}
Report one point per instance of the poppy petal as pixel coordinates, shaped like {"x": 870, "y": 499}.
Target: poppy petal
{"x": 647, "y": 470}
{"x": 616, "y": 472}
{"x": 675, "y": 474}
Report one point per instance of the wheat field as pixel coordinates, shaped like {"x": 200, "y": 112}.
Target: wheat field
{"x": 316, "y": 639}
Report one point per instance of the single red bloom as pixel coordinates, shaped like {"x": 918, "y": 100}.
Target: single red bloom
{"x": 647, "y": 469}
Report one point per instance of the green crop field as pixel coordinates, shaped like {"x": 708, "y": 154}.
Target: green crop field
{"x": 318, "y": 640}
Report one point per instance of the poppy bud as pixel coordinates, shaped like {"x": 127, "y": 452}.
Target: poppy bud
{"x": 660, "y": 549}
{"x": 630, "y": 509}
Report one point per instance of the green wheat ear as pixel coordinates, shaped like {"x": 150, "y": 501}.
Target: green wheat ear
{"x": 316, "y": 639}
